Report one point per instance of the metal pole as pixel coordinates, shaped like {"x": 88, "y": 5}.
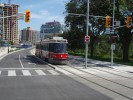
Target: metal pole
{"x": 87, "y": 21}
{"x": 3, "y": 24}
{"x": 8, "y": 45}
{"x": 112, "y": 51}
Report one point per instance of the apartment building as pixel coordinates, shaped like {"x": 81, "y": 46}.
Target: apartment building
{"x": 30, "y": 35}
{"x": 9, "y": 25}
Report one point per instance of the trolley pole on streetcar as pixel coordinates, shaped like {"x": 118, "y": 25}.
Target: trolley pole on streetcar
{"x": 87, "y": 22}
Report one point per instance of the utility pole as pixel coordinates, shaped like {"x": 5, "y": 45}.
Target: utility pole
{"x": 112, "y": 51}
{"x": 87, "y": 22}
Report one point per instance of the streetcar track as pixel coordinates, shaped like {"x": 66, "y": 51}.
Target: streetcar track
{"x": 114, "y": 73}
{"x": 104, "y": 78}
{"x": 95, "y": 82}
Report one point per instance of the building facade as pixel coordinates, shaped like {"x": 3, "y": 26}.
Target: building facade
{"x": 29, "y": 35}
{"x": 50, "y": 29}
{"x": 9, "y": 24}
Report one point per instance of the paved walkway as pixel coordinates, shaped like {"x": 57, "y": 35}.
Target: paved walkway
{"x": 103, "y": 63}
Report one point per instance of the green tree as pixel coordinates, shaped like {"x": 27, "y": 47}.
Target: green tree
{"x": 124, "y": 9}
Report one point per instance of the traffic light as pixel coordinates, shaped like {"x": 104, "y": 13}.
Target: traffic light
{"x": 128, "y": 21}
{"x": 108, "y": 21}
{"x": 27, "y": 16}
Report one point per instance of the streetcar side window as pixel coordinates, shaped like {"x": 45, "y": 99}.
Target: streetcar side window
{"x": 51, "y": 47}
{"x": 37, "y": 46}
{"x": 45, "y": 47}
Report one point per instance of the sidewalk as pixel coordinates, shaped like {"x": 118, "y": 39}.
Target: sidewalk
{"x": 104, "y": 64}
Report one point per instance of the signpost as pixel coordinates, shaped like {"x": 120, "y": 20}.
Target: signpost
{"x": 87, "y": 21}
{"x": 87, "y": 39}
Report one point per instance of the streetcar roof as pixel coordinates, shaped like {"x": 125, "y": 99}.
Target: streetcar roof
{"x": 53, "y": 41}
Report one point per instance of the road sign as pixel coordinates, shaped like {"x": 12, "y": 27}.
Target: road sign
{"x": 117, "y": 23}
{"x": 108, "y": 30}
{"x": 87, "y": 38}
{"x": 112, "y": 46}
{"x": 20, "y": 16}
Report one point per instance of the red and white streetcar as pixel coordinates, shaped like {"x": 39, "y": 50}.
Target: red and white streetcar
{"x": 53, "y": 50}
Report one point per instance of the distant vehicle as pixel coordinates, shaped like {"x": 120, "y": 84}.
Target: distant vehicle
{"x": 53, "y": 50}
{"x": 27, "y": 45}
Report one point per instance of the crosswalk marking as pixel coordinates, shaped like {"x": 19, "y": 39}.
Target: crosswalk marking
{"x": 40, "y": 72}
{"x": 53, "y": 72}
{"x": 36, "y": 72}
{"x": 26, "y": 73}
{"x": 11, "y": 73}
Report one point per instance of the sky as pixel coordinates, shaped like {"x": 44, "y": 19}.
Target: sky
{"x": 42, "y": 11}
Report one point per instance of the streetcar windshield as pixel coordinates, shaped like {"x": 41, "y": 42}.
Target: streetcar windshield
{"x": 60, "y": 48}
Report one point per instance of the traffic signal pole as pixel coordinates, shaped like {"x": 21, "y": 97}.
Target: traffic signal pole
{"x": 87, "y": 22}
{"x": 112, "y": 51}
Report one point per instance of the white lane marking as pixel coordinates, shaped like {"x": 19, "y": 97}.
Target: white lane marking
{"x": 22, "y": 68}
{"x": 0, "y": 72}
{"x": 26, "y": 73}
{"x": 53, "y": 72}
{"x": 31, "y": 63}
{"x": 40, "y": 72}
{"x": 21, "y": 62}
{"x": 11, "y": 73}
{"x": 64, "y": 72}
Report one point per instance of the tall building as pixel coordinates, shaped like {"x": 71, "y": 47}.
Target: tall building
{"x": 9, "y": 25}
{"x": 50, "y": 29}
{"x": 28, "y": 35}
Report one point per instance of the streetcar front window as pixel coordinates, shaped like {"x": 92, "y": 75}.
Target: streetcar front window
{"x": 60, "y": 48}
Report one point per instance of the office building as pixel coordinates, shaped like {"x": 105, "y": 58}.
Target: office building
{"x": 50, "y": 29}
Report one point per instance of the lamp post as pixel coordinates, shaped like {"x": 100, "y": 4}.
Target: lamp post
{"x": 87, "y": 21}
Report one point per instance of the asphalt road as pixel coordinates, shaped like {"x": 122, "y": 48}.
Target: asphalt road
{"x": 23, "y": 77}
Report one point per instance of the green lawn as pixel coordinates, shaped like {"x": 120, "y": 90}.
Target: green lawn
{"x": 101, "y": 58}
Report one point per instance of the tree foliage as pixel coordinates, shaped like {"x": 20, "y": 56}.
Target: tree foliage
{"x": 77, "y": 23}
